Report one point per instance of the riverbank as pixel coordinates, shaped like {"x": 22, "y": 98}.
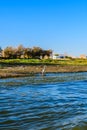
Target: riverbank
{"x": 30, "y": 70}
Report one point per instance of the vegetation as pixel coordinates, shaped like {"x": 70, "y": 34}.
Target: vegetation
{"x": 34, "y": 56}
{"x": 21, "y": 61}
{"x": 26, "y": 53}
{"x": 79, "y": 62}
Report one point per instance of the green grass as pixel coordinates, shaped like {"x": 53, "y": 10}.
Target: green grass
{"x": 44, "y": 61}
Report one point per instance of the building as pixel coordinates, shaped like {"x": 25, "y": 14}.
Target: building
{"x": 55, "y": 56}
{"x": 58, "y": 56}
{"x": 83, "y": 56}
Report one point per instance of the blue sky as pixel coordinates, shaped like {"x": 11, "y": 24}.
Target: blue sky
{"x": 60, "y": 25}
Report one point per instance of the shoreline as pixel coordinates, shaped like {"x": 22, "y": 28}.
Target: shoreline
{"x": 31, "y": 70}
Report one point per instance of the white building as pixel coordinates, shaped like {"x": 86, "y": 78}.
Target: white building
{"x": 58, "y": 56}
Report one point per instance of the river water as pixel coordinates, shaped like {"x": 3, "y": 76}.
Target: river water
{"x": 56, "y": 101}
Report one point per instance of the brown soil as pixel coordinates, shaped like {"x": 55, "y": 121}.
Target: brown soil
{"x": 18, "y": 71}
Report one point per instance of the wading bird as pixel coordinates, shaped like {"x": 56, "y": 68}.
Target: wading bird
{"x": 43, "y": 70}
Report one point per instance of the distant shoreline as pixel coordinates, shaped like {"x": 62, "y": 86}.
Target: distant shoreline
{"x": 31, "y": 70}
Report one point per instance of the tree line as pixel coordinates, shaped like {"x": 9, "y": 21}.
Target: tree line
{"x": 23, "y": 52}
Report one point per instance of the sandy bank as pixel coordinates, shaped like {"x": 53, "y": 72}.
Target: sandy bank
{"x": 18, "y": 71}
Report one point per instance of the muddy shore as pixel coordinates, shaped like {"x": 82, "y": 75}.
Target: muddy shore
{"x": 20, "y": 71}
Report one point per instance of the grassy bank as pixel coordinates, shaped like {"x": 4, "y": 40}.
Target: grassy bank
{"x": 43, "y": 62}
{"x": 25, "y": 67}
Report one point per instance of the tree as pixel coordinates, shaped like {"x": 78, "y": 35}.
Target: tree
{"x": 27, "y": 53}
{"x": 46, "y": 53}
{"x": 9, "y": 52}
{"x": 20, "y": 51}
{"x": 36, "y": 52}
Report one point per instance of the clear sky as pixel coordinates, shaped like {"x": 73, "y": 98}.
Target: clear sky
{"x": 60, "y": 25}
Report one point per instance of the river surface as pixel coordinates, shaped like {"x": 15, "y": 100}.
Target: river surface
{"x": 56, "y": 101}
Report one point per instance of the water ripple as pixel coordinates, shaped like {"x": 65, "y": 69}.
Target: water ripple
{"x": 53, "y": 102}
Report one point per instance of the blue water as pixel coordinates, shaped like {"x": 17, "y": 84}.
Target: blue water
{"x": 56, "y": 101}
